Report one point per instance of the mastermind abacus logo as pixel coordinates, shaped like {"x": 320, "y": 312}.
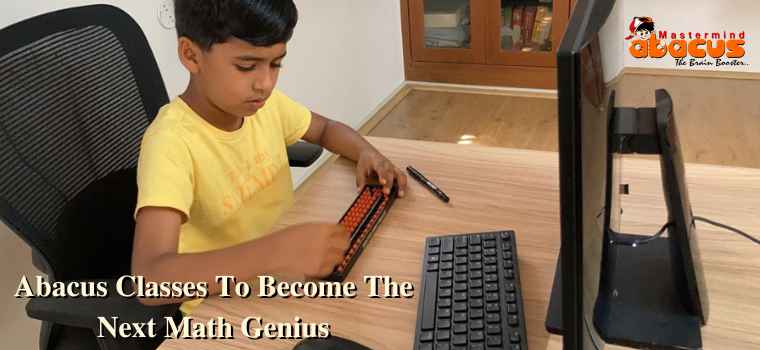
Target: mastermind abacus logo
{"x": 688, "y": 48}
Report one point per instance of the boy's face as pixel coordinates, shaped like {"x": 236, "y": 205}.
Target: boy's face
{"x": 236, "y": 76}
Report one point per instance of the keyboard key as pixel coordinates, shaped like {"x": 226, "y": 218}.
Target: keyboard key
{"x": 507, "y": 255}
{"x": 459, "y": 339}
{"x": 460, "y": 287}
{"x": 512, "y": 308}
{"x": 475, "y": 257}
{"x": 444, "y": 293}
{"x": 474, "y": 240}
{"x": 515, "y": 347}
{"x": 460, "y": 277}
{"x": 476, "y": 283}
{"x": 493, "y": 341}
{"x": 434, "y": 242}
{"x": 428, "y": 300}
{"x": 476, "y": 293}
{"x": 489, "y": 244}
{"x": 434, "y": 250}
{"x": 489, "y": 269}
{"x": 446, "y": 302}
{"x": 488, "y": 237}
{"x": 447, "y": 265}
{"x": 489, "y": 252}
{"x": 493, "y": 329}
{"x": 504, "y": 236}
{"x": 432, "y": 267}
{"x": 509, "y": 274}
{"x": 433, "y": 259}
{"x": 460, "y": 307}
{"x": 460, "y": 242}
{"x": 460, "y": 317}
{"x": 492, "y": 307}
{"x": 425, "y": 346}
{"x": 512, "y": 320}
{"x": 491, "y": 277}
{"x": 447, "y": 245}
{"x": 442, "y": 346}
{"x": 509, "y": 287}
{"x": 476, "y": 336}
{"x": 506, "y": 246}
{"x": 474, "y": 249}
{"x": 444, "y": 312}
{"x": 491, "y": 297}
{"x": 476, "y": 324}
{"x": 493, "y": 318}
{"x": 476, "y": 314}
{"x": 443, "y": 323}
{"x": 445, "y": 283}
{"x": 460, "y": 269}
{"x": 514, "y": 337}
{"x": 476, "y": 275}
{"x": 476, "y": 265}
{"x": 447, "y": 257}
{"x": 477, "y": 347}
{"x": 508, "y": 264}
{"x": 489, "y": 260}
{"x": 460, "y": 260}
{"x": 476, "y": 303}
{"x": 426, "y": 336}
{"x": 446, "y": 274}
{"x": 511, "y": 297}
{"x": 460, "y": 296}
{"x": 492, "y": 287}
{"x": 443, "y": 335}
{"x": 460, "y": 252}
{"x": 460, "y": 328}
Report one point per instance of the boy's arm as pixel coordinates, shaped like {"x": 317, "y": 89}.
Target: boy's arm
{"x": 341, "y": 139}
{"x": 311, "y": 250}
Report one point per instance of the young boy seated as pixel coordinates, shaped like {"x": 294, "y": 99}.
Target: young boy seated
{"x": 213, "y": 174}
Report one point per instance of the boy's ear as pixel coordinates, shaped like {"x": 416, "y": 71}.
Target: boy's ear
{"x": 190, "y": 54}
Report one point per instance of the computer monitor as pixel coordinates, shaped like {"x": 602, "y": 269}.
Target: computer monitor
{"x": 604, "y": 291}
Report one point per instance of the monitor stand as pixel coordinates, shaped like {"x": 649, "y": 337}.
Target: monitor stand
{"x": 643, "y": 299}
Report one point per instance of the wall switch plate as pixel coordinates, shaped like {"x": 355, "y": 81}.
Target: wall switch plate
{"x": 166, "y": 14}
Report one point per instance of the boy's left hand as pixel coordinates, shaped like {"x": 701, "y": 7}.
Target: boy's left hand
{"x": 372, "y": 162}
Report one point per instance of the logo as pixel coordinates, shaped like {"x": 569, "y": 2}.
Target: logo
{"x": 687, "y": 48}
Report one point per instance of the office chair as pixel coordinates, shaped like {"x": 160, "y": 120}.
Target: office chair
{"x": 79, "y": 88}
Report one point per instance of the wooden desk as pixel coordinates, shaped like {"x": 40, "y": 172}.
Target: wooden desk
{"x": 494, "y": 189}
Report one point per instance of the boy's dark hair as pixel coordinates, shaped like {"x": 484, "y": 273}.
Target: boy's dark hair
{"x": 259, "y": 22}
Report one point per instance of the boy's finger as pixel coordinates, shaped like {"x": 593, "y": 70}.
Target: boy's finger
{"x": 361, "y": 178}
{"x": 401, "y": 178}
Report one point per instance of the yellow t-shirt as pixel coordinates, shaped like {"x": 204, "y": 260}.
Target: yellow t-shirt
{"x": 232, "y": 186}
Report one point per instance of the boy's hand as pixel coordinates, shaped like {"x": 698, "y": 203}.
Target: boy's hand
{"x": 372, "y": 162}
{"x": 316, "y": 248}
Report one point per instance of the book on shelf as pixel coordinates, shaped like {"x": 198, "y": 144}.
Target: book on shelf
{"x": 517, "y": 25}
{"x": 542, "y": 25}
{"x": 529, "y": 17}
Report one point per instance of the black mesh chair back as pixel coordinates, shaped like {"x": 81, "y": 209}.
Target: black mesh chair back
{"x": 78, "y": 87}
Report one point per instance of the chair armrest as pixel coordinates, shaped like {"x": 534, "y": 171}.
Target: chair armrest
{"x": 303, "y": 154}
{"x": 84, "y": 312}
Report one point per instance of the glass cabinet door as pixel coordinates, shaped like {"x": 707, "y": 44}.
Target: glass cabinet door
{"x": 448, "y": 30}
{"x": 526, "y": 32}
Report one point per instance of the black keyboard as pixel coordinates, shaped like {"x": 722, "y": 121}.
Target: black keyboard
{"x": 470, "y": 296}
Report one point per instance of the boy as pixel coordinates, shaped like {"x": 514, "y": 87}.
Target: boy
{"x": 213, "y": 174}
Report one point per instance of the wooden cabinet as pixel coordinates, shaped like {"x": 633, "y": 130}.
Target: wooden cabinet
{"x": 483, "y": 42}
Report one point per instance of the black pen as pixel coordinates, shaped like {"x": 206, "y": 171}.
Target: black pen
{"x": 425, "y": 182}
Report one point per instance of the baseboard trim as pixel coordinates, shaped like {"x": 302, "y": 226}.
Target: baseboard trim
{"x": 684, "y": 73}
{"x": 483, "y": 89}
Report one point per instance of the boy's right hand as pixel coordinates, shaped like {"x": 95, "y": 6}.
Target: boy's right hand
{"x": 316, "y": 248}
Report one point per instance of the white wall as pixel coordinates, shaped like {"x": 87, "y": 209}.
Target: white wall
{"x": 344, "y": 60}
{"x": 703, "y": 15}
{"x": 611, "y": 43}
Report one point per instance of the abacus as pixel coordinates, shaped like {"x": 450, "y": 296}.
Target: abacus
{"x": 362, "y": 219}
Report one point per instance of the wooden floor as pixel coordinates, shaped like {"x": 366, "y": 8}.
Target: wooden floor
{"x": 708, "y": 135}
{"x": 466, "y": 118}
